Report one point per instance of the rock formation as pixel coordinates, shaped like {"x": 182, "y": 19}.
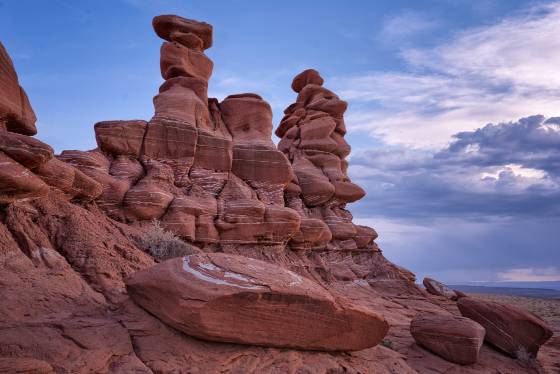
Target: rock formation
{"x": 512, "y": 330}
{"x": 235, "y": 299}
{"x": 16, "y": 114}
{"x": 439, "y": 289}
{"x": 312, "y": 138}
{"x": 72, "y": 225}
{"x": 28, "y": 165}
{"x": 209, "y": 171}
{"x": 457, "y": 339}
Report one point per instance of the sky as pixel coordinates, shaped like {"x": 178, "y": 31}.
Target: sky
{"x": 453, "y": 117}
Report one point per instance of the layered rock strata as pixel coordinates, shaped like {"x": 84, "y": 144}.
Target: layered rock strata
{"x": 71, "y": 227}
{"x": 28, "y": 166}
{"x": 229, "y": 298}
{"x": 208, "y": 170}
{"x": 457, "y": 339}
{"x": 196, "y": 149}
{"x": 312, "y": 138}
{"x": 16, "y": 114}
{"x": 512, "y": 330}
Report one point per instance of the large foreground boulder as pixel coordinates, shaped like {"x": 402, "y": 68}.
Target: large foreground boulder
{"x": 456, "y": 339}
{"x": 512, "y": 330}
{"x": 230, "y": 298}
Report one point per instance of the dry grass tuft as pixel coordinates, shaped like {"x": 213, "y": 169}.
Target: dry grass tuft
{"x": 387, "y": 343}
{"x": 163, "y": 244}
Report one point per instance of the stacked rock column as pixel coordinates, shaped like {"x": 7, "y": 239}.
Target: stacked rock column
{"x": 251, "y": 204}
{"x": 207, "y": 170}
{"x": 312, "y": 137}
{"x": 146, "y": 167}
{"x": 182, "y": 103}
{"x": 183, "y": 134}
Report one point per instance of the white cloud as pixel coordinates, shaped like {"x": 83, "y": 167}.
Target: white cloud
{"x": 530, "y": 275}
{"x": 521, "y": 51}
{"x": 406, "y": 24}
{"x": 518, "y": 171}
{"x": 493, "y": 74}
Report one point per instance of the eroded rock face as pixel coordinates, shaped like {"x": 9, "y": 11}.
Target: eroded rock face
{"x": 457, "y": 339}
{"x": 74, "y": 315}
{"x": 70, "y": 230}
{"x": 235, "y": 299}
{"x": 25, "y": 366}
{"x": 186, "y": 31}
{"x": 255, "y": 158}
{"x": 262, "y": 195}
{"x": 194, "y": 148}
{"x": 69, "y": 180}
{"x": 120, "y": 137}
{"x": 512, "y": 330}
{"x": 309, "y": 76}
{"x": 16, "y": 114}
{"x": 27, "y": 167}
{"x": 312, "y": 138}
{"x": 17, "y": 182}
{"x": 28, "y": 151}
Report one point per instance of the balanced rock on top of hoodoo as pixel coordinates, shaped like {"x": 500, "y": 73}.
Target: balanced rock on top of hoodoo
{"x": 184, "y": 31}
{"x": 235, "y": 299}
{"x": 309, "y": 76}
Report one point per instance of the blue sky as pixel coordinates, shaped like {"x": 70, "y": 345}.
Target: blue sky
{"x": 451, "y": 196}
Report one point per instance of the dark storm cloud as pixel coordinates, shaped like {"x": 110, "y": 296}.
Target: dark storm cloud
{"x": 506, "y": 170}
{"x": 532, "y": 142}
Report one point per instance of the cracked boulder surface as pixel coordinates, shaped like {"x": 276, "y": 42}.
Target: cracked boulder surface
{"x": 236, "y": 299}
{"x": 70, "y": 225}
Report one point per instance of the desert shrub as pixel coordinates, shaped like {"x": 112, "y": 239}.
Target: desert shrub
{"x": 163, "y": 244}
{"x": 387, "y": 343}
{"x": 524, "y": 356}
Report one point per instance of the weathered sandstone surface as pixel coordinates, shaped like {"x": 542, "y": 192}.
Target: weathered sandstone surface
{"x": 16, "y": 113}
{"x": 439, "y": 289}
{"x": 512, "y": 330}
{"x": 457, "y": 339}
{"x": 235, "y": 299}
{"x": 80, "y": 295}
{"x": 312, "y": 138}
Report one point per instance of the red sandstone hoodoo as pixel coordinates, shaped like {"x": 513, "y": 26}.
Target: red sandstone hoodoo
{"x": 281, "y": 263}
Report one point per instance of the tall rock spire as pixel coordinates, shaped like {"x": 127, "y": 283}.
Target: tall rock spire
{"x": 312, "y": 137}
{"x": 181, "y": 107}
{"x": 208, "y": 171}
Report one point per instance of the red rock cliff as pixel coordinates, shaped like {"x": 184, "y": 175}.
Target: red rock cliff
{"x": 70, "y": 225}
